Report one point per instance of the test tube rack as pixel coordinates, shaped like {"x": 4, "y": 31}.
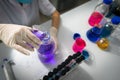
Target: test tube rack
{"x": 67, "y": 66}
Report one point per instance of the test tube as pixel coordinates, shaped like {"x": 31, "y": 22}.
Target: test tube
{"x": 7, "y": 69}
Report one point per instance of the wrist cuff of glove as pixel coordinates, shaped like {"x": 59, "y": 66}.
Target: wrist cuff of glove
{"x": 53, "y": 31}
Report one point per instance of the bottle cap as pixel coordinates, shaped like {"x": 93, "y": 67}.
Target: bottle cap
{"x": 85, "y": 54}
{"x": 96, "y": 30}
{"x": 76, "y": 35}
{"x": 107, "y": 1}
{"x": 115, "y": 20}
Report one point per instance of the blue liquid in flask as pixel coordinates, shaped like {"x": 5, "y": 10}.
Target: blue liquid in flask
{"x": 93, "y": 34}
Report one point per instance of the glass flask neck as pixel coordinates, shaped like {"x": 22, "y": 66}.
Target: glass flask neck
{"x": 46, "y": 39}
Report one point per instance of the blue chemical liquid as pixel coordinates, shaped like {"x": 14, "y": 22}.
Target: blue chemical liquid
{"x": 107, "y": 30}
{"x": 46, "y": 52}
{"x": 93, "y": 34}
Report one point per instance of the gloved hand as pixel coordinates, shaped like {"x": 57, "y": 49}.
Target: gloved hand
{"x": 53, "y": 33}
{"x": 17, "y": 36}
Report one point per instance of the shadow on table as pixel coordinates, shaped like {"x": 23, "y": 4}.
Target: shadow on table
{"x": 114, "y": 47}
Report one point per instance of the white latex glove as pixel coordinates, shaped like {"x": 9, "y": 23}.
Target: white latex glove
{"x": 17, "y": 37}
{"x": 53, "y": 34}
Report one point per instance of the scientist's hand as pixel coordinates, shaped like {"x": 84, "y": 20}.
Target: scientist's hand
{"x": 53, "y": 33}
{"x": 17, "y": 37}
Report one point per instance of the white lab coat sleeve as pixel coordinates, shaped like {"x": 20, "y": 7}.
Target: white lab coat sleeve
{"x": 3, "y": 16}
{"x": 46, "y": 7}
{"x": 4, "y": 19}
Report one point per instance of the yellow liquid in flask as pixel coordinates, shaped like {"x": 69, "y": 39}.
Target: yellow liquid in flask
{"x": 103, "y": 43}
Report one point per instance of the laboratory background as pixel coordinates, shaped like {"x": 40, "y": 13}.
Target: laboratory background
{"x": 88, "y": 45}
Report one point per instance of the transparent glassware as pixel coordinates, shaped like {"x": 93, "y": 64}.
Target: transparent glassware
{"x": 79, "y": 43}
{"x": 109, "y": 27}
{"x": 103, "y": 43}
{"x": 106, "y": 32}
{"x": 46, "y": 48}
{"x": 98, "y": 16}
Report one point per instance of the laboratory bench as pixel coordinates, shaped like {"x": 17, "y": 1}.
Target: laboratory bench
{"x": 101, "y": 65}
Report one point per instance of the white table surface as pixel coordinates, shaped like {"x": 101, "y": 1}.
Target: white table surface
{"x": 102, "y": 65}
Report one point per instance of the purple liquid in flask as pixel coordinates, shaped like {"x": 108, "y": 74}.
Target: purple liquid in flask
{"x": 46, "y": 49}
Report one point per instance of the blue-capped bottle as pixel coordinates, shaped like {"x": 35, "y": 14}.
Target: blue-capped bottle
{"x": 93, "y": 34}
{"x": 46, "y": 49}
{"x": 109, "y": 27}
{"x": 103, "y": 7}
{"x": 98, "y": 16}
